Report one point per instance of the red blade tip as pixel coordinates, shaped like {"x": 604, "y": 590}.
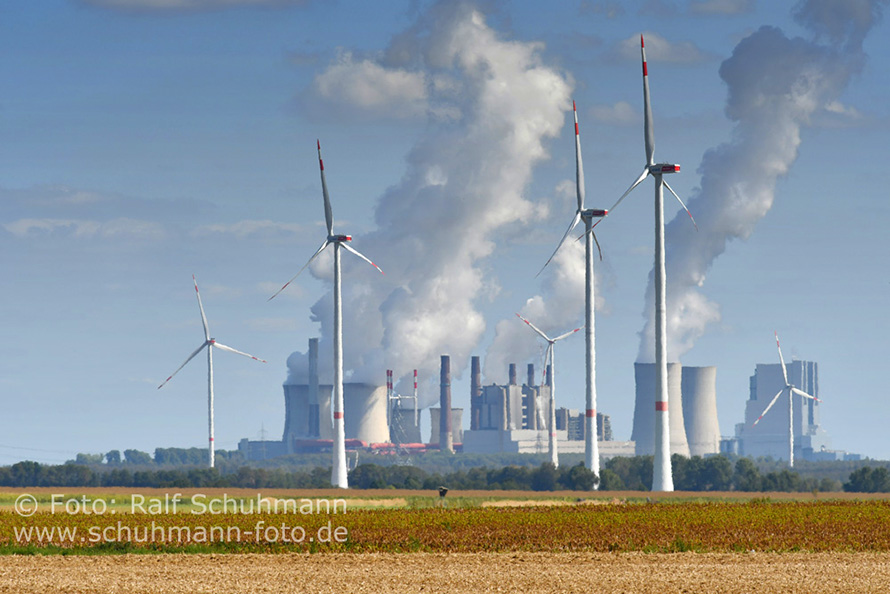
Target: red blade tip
{"x": 642, "y": 43}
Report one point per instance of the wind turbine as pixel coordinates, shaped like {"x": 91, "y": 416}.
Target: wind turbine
{"x": 209, "y": 343}
{"x": 591, "y": 448}
{"x": 554, "y": 458}
{"x": 791, "y": 390}
{"x": 661, "y": 479}
{"x": 338, "y": 472}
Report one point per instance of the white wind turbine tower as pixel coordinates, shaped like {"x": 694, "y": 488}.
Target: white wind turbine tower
{"x": 791, "y": 390}
{"x": 591, "y": 448}
{"x": 662, "y": 479}
{"x": 338, "y": 472}
{"x": 554, "y": 454}
{"x": 209, "y": 343}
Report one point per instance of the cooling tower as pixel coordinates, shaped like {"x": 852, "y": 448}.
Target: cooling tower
{"x": 644, "y": 410}
{"x": 365, "y": 413}
{"x": 457, "y": 433}
{"x": 699, "y": 387}
{"x": 403, "y": 429}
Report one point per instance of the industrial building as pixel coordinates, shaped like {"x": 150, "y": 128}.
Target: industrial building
{"x": 770, "y": 436}
{"x": 692, "y": 410}
{"x": 514, "y": 418}
{"x": 503, "y": 418}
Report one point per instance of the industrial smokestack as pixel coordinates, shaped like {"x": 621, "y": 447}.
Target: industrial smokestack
{"x": 313, "y": 388}
{"x": 512, "y": 374}
{"x": 531, "y": 399}
{"x": 699, "y": 386}
{"x": 446, "y": 443}
{"x": 475, "y": 394}
{"x": 644, "y": 410}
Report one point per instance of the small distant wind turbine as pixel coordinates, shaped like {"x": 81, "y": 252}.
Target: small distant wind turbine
{"x": 591, "y": 447}
{"x": 661, "y": 479}
{"x": 554, "y": 457}
{"x": 209, "y": 343}
{"x": 338, "y": 472}
{"x": 790, "y": 389}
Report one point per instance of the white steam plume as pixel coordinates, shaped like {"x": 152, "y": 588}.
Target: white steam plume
{"x": 491, "y": 104}
{"x": 776, "y": 85}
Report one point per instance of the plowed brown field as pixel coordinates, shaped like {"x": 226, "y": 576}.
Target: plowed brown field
{"x": 440, "y": 573}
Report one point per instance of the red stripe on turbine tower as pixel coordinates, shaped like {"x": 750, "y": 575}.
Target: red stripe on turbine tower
{"x": 661, "y": 406}
{"x": 338, "y": 415}
{"x": 591, "y": 412}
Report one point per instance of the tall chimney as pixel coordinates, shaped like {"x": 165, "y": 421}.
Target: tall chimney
{"x": 475, "y": 394}
{"x": 512, "y": 381}
{"x": 313, "y": 388}
{"x": 446, "y": 443}
{"x": 531, "y": 395}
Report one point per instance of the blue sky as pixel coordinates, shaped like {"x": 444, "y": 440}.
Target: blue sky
{"x": 143, "y": 141}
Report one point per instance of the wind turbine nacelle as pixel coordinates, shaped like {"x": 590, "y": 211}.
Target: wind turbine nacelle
{"x": 340, "y": 238}
{"x": 661, "y": 168}
{"x": 597, "y": 212}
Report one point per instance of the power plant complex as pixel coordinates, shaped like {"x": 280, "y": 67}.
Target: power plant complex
{"x": 514, "y": 417}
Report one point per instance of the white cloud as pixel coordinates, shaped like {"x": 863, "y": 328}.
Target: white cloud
{"x": 620, "y": 113}
{"x": 248, "y": 228}
{"x": 724, "y": 7}
{"x": 79, "y": 228}
{"x": 659, "y": 49}
{"x": 188, "y": 5}
{"x": 364, "y": 84}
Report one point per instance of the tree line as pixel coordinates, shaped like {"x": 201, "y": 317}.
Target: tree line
{"x": 714, "y": 473}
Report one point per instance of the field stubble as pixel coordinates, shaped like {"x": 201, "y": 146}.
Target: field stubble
{"x": 445, "y": 573}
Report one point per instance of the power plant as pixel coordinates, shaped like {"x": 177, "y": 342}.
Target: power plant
{"x": 514, "y": 417}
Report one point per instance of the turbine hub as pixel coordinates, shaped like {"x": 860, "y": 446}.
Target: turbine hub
{"x": 660, "y": 168}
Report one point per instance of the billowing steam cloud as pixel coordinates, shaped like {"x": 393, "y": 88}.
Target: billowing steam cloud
{"x": 491, "y": 104}
{"x": 776, "y": 85}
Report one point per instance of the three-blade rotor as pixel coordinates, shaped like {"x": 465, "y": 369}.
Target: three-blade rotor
{"x": 579, "y": 194}
{"x": 651, "y": 167}
{"x": 331, "y": 238}
{"x": 208, "y": 342}
{"x": 788, "y": 386}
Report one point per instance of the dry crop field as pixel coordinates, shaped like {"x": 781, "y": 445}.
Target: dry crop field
{"x": 482, "y": 541}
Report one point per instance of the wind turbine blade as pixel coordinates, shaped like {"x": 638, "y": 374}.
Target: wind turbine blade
{"x": 328, "y": 214}
{"x": 574, "y": 222}
{"x": 567, "y": 334}
{"x": 804, "y": 394}
{"x": 649, "y": 134}
{"x": 349, "y": 248}
{"x": 535, "y": 328}
{"x": 769, "y": 406}
{"x": 781, "y": 358}
{"x": 192, "y": 356}
{"x": 201, "y": 307}
{"x": 681, "y": 203}
{"x": 597, "y": 241}
{"x": 637, "y": 182}
{"x": 237, "y": 352}
{"x": 579, "y": 167}
{"x": 321, "y": 249}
